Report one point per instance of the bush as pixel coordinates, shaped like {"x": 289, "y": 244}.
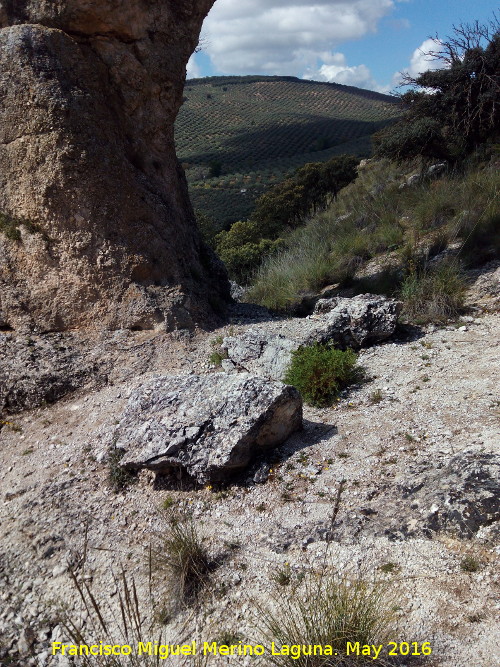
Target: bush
{"x": 307, "y": 191}
{"x": 119, "y": 478}
{"x": 242, "y": 250}
{"x": 325, "y": 610}
{"x": 433, "y": 295}
{"x": 319, "y": 372}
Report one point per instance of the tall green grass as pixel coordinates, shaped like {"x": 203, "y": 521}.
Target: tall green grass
{"x": 374, "y": 215}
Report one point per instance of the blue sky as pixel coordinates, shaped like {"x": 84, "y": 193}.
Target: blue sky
{"x": 364, "y": 43}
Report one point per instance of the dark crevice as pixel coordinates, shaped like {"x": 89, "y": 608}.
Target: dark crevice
{"x": 108, "y": 35}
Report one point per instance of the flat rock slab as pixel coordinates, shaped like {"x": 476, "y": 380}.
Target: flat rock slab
{"x": 344, "y": 322}
{"x": 462, "y": 497}
{"x": 210, "y": 425}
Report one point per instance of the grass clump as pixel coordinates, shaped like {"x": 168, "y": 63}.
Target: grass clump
{"x": 319, "y": 372}
{"x": 282, "y": 576}
{"x": 376, "y": 396}
{"x": 219, "y": 353}
{"x": 183, "y": 554}
{"x": 433, "y": 295}
{"x": 470, "y": 564}
{"x": 10, "y": 227}
{"x": 168, "y": 503}
{"x": 325, "y": 610}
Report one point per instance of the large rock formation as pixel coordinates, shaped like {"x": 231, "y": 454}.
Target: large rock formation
{"x": 96, "y": 227}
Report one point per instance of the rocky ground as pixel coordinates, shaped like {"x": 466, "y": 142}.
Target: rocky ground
{"x": 395, "y": 481}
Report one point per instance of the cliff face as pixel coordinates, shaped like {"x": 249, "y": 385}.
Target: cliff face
{"x": 97, "y": 228}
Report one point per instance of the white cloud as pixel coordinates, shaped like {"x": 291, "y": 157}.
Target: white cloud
{"x": 421, "y": 61}
{"x": 336, "y": 70}
{"x": 193, "y": 69}
{"x": 289, "y": 36}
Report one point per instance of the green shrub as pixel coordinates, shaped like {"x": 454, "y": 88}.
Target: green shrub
{"x": 319, "y": 372}
{"x": 325, "y": 610}
{"x": 242, "y": 250}
{"x": 119, "y": 478}
{"x": 470, "y": 564}
{"x": 9, "y": 227}
{"x": 208, "y": 227}
{"x": 433, "y": 295}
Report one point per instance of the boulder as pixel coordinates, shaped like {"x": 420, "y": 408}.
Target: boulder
{"x": 209, "y": 425}
{"x": 96, "y": 227}
{"x": 259, "y": 352}
{"x": 344, "y": 322}
{"x": 355, "y": 322}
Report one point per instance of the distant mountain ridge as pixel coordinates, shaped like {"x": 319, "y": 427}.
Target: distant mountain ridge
{"x": 237, "y": 135}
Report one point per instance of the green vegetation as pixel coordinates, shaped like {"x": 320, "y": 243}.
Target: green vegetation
{"x": 282, "y": 576}
{"x": 326, "y": 610}
{"x": 453, "y": 110}
{"x": 320, "y": 372}
{"x": 119, "y": 478}
{"x": 242, "y": 249}
{"x": 389, "y": 568}
{"x": 168, "y": 503}
{"x": 283, "y": 208}
{"x": 252, "y": 131}
{"x": 433, "y": 295}
{"x": 183, "y": 555}
{"x": 9, "y": 226}
{"x": 379, "y": 214}
{"x": 218, "y": 354}
{"x": 470, "y": 564}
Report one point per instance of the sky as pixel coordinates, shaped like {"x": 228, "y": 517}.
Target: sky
{"x": 364, "y": 43}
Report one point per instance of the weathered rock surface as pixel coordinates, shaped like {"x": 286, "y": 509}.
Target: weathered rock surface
{"x": 354, "y": 322}
{"x": 210, "y": 425}
{"x": 39, "y": 370}
{"x": 461, "y": 497}
{"x": 99, "y": 231}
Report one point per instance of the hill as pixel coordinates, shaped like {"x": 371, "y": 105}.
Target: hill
{"x": 238, "y": 135}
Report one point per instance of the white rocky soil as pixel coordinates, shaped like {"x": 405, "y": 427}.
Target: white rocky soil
{"x": 388, "y": 453}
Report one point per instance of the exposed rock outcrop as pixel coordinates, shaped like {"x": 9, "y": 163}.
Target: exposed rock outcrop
{"x": 40, "y": 370}
{"x": 461, "y": 497}
{"x": 209, "y": 425}
{"x": 354, "y": 322}
{"x": 96, "y": 226}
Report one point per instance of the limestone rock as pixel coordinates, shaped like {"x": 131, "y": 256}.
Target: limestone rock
{"x": 259, "y": 352}
{"x": 98, "y": 229}
{"x": 461, "y": 497}
{"x": 209, "y": 425}
{"x": 344, "y": 322}
{"x": 37, "y": 370}
{"x": 355, "y": 322}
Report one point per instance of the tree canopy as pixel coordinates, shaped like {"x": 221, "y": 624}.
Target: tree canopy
{"x": 452, "y": 110}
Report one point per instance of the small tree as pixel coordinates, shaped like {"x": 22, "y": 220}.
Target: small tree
{"x": 305, "y": 192}
{"x": 452, "y": 110}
